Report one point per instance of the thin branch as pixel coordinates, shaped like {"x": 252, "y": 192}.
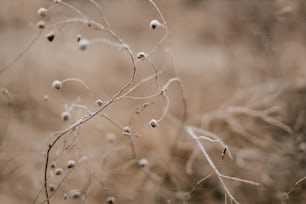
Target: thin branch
{"x": 22, "y": 52}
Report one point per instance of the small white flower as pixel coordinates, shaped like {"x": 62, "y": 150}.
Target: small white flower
{"x": 42, "y": 12}
{"x": 141, "y": 55}
{"x": 154, "y": 24}
{"x": 57, "y": 84}
{"x": 83, "y": 44}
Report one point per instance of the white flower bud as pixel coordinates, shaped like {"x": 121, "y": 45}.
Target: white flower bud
{"x": 57, "y": 84}
{"x": 126, "y": 130}
{"x": 83, "y": 44}
{"x": 154, "y": 24}
{"x": 143, "y": 162}
{"x": 42, "y": 12}
{"x": 154, "y": 123}
{"x": 70, "y": 164}
{"x": 46, "y": 98}
{"x": 65, "y": 116}
{"x": 110, "y": 200}
{"x": 141, "y": 55}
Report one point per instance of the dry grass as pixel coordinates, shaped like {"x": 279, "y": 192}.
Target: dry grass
{"x": 239, "y": 67}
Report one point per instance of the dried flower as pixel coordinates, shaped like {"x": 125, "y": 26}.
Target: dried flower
{"x": 126, "y": 130}
{"x": 79, "y": 37}
{"x": 70, "y": 164}
{"x": 141, "y": 55}
{"x": 57, "y": 84}
{"x": 154, "y": 123}
{"x": 110, "y": 200}
{"x": 143, "y": 162}
{"x": 50, "y": 36}
{"x": 75, "y": 194}
{"x": 83, "y": 44}
{"x": 58, "y": 171}
{"x": 110, "y": 137}
{"x": 41, "y": 24}
{"x": 42, "y": 12}
{"x": 52, "y": 187}
{"x": 65, "y": 116}
{"x": 154, "y": 24}
{"x": 53, "y": 165}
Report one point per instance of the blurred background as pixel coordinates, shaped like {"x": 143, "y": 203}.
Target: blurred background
{"x": 226, "y": 52}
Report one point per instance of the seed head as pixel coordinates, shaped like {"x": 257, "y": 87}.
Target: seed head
{"x": 126, "y": 130}
{"x": 66, "y": 115}
{"x": 75, "y": 194}
{"x": 83, "y": 44}
{"x": 79, "y": 37}
{"x": 154, "y": 24}
{"x": 143, "y": 162}
{"x": 53, "y": 165}
{"x": 111, "y": 200}
{"x": 154, "y": 123}
{"x": 58, "y": 171}
{"x": 50, "y": 36}
{"x": 41, "y": 24}
{"x": 52, "y": 188}
{"x": 42, "y": 12}
{"x": 99, "y": 102}
{"x": 141, "y": 55}
{"x": 70, "y": 164}
{"x": 57, "y": 84}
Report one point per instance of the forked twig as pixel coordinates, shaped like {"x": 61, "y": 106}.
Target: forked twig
{"x": 191, "y": 131}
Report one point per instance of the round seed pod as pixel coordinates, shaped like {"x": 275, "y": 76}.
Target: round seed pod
{"x": 50, "y": 36}
{"x": 58, "y": 171}
{"x": 70, "y": 164}
{"x": 42, "y": 12}
{"x": 57, "y": 84}
{"x": 65, "y": 116}
{"x": 154, "y": 123}
{"x": 154, "y": 24}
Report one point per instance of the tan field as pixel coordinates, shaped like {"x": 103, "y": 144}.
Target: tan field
{"x": 140, "y": 101}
